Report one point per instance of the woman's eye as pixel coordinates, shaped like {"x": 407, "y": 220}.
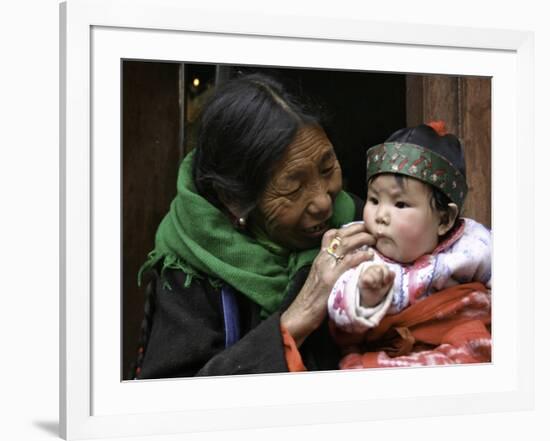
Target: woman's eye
{"x": 292, "y": 190}
{"x": 327, "y": 170}
{"x": 373, "y": 200}
{"x": 401, "y": 204}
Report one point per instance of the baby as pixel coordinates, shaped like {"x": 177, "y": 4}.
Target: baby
{"x": 416, "y": 190}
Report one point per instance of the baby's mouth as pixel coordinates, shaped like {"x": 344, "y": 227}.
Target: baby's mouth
{"x": 382, "y": 238}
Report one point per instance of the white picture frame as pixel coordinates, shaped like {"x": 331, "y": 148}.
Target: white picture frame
{"x": 95, "y": 36}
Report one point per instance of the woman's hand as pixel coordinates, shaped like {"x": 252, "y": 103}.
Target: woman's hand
{"x": 309, "y": 308}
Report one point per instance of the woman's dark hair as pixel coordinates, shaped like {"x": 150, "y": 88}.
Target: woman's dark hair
{"x": 244, "y": 129}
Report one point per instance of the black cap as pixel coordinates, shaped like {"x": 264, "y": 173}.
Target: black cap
{"x": 433, "y": 136}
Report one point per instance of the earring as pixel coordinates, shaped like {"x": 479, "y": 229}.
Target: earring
{"x": 239, "y": 223}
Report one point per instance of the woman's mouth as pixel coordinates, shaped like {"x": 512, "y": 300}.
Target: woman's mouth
{"x": 316, "y": 230}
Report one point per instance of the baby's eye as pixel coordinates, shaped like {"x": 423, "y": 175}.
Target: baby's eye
{"x": 401, "y": 204}
{"x": 373, "y": 200}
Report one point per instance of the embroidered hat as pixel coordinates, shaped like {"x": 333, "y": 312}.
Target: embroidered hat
{"x": 427, "y": 153}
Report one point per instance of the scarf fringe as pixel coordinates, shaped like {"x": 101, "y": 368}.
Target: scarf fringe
{"x": 172, "y": 261}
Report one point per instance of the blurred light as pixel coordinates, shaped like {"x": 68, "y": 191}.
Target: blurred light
{"x": 196, "y": 82}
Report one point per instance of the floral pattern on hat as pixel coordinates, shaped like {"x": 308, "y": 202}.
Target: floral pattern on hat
{"x": 420, "y": 163}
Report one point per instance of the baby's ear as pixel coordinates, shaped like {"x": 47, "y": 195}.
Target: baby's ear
{"x": 447, "y": 219}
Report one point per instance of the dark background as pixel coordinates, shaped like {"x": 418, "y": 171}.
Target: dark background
{"x": 161, "y": 102}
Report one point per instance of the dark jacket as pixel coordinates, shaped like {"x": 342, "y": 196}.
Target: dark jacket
{"x": 188, "y": 334}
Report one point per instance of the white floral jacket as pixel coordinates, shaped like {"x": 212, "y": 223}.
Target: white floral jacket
{"x": 463, "y": 257}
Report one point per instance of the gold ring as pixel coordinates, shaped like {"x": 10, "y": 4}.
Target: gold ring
{"x": 334, "y": 244}
{"x": 337, "y": 257}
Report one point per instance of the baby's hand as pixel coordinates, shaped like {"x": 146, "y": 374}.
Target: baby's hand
{"x": 374, "y": 283}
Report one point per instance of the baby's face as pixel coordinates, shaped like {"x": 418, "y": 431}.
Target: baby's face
{"x": 401, "y": 218}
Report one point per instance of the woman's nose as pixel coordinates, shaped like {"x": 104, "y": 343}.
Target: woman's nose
{"x": 320, "y": 204}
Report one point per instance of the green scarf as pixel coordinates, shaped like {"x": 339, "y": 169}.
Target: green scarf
{"x": 199, "y": 239}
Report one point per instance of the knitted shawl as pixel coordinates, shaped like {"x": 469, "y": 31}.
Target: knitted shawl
{"x": 198, "y": 239}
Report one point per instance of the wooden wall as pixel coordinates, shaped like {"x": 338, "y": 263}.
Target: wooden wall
{"x": 464, "y": 103}
{"x": 150, "y": 155}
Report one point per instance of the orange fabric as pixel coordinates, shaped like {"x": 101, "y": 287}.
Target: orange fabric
{"x": 439, "y": 127}
{"x": 451, "y": 326}
{"x": 292, "y": 355}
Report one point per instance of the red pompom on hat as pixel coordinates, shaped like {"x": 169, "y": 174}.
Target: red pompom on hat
{"x": 438, "y": 126}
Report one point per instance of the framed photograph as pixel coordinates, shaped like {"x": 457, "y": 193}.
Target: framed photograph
{"x": 119, "y": 58}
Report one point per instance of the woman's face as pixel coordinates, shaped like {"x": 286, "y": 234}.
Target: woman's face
{"x": 297, "y": 203}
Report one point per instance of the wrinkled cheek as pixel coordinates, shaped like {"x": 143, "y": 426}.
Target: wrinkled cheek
{"x": 277, "y": 214}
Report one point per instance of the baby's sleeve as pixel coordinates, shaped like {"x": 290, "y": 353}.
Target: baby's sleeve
{"x": 344, "y": 303}
{"x": 468, "y": 260}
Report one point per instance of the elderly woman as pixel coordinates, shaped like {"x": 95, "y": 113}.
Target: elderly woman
{"x": 245, "y": 259}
